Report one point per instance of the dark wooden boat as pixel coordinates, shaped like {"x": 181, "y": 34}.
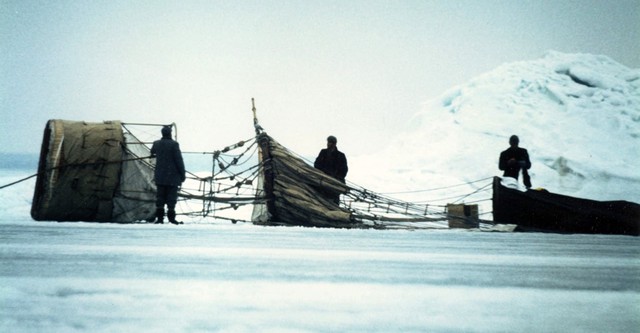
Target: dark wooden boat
{"x": 540, "y": 210}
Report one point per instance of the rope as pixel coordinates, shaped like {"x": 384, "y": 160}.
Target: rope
{"x": 380, "y": 203}
{"x": 72, "y": 165}
{"x": 232, "y": 186}
{"x": 19, "y": 181}
{"x": 441, "y": 188}
{"x": 474, "y": 192}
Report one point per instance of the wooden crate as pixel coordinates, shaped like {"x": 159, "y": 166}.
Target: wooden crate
{"x": 462, "y": 216}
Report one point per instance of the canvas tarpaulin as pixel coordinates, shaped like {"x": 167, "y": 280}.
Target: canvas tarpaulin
{"x": 81, "y": 171}
{"x": 297, "y": 192}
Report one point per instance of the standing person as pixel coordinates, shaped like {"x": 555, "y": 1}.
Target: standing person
{"x": 332, "y": 162}
{"x": 515, "y": 159}
{"x": 169, "y": 174}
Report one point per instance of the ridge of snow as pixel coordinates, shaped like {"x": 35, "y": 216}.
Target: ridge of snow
{"x": 577, "y": 114}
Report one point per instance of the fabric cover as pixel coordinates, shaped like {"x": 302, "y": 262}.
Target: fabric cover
{"x": 82, "y": 176}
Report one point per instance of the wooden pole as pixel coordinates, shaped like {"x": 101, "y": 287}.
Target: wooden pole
{"x": 256, "y": 125}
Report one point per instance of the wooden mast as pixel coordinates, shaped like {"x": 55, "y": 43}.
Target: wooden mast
{"x": 264, "y": 158}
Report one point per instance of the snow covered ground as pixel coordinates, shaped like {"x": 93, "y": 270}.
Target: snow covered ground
{"x": 82, "y": 277}
{"x": 223, "y": 277}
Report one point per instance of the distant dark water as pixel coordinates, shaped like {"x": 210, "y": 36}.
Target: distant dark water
{"x": 19, "y": 161}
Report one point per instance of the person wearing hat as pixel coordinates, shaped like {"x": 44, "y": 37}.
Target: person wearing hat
{"x": 169, "y": 174}
{"x": 515, "y": 159}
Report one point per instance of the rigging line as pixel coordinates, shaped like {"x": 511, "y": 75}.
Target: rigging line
{"x": 133, "y": 135}
{"x": 233, "y": 176}
{"x": 472, "y": 193}
{"x": 236, "y": 161}
{"x": 402, "y": 206}
{"x": 233, "y": 220}
{"x": 387, "y": 207}
{"x": 457, "y": 197}
{"x": 146, "y": 133}
{"x": 477, "y": 201}
{"x": 19, "y": 181}
{"x": 212, "y": 197}
{"x": 225, "y": 169}
{"x": 374, "y": 197}
{"x": 440, "y": 188}
{"x": 71, "y": 165}
{"x": 132, "y": 198}
{"x": 352, "y": 186}
{"x": 236, "y": 158}
{"x": 99, "y": 162}
{"x": 146, "y": 161}
{"x": 219, "y": 180}
{"x": 252, "y": 142}
{"x": 143, "y": 124}
{"x": 207, "y": 178}
{"x": 199, "y": 152}
{"x": 236, "y": 145}
{"x": 135, "y": 191}
{"x": 384, "y": 214}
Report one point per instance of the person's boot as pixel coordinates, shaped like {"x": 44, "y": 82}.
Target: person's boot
{"x": 159, "y": 215}
{"x": 171, "y": 214}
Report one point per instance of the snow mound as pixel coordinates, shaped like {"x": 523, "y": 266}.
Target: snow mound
{"x": 577, "y": 114}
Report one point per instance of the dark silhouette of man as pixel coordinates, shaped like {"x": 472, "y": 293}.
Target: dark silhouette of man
{"x": 332, "y": 161}
{"x": 515, "y": 159}
{"x": 169, "y": 174}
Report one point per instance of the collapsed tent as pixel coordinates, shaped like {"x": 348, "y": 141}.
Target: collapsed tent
{"x": 93, "y": 172}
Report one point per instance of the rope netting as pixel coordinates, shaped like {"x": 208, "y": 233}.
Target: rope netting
{"x": 232, "y": 185}
{"x": 230, "y": 188}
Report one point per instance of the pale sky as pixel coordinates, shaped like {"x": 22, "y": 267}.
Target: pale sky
{"x": 354, "y": 69}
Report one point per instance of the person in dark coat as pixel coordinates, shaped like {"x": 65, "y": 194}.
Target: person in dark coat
{"x": 169, "y": 174}
{"x": 515, "y": 159}
{"x": 332, "y": 161}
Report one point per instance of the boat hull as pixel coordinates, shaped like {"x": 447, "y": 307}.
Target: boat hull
{"x": 536, "y": 210}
